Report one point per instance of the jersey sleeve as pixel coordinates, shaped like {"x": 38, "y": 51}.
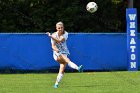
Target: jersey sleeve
{"x": 54, "y": 35}
{"x": 65, "y": 35}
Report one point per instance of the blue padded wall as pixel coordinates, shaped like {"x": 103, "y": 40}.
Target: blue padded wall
{"x": 95, "y": 51}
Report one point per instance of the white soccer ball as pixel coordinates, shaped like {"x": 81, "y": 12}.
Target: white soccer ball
{"x": 92, "y": 7}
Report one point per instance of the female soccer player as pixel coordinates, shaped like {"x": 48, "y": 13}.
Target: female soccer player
{"x": 60, "y": 51}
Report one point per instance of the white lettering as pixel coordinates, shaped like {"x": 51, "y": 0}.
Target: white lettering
{"x": 132, "y": 16}
{"x": 133, "y": 64}
{"x": 132, "y": 32}
{"x": 132, "y": 41}
{"x": 132, "y": 24}
{"x": 133, "y": 56}
{"x": 132, "y": 48}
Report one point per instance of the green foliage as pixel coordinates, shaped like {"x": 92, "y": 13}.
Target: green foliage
{"x": 42, "y": 15}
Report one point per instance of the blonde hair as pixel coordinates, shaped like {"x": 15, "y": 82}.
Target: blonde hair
{"x": 59, "y": 23}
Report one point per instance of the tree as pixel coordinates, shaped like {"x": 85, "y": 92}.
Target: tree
{"x": 42, "y": 15}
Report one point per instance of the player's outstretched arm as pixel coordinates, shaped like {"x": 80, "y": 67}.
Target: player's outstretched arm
{"x": 55, "y": 39}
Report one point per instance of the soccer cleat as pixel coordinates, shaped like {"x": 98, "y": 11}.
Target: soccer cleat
{"x": 55, "y": 86}
{"x": 80, "y": 68}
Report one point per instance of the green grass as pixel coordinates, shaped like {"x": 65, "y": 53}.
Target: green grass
{"x": 89, "y": 82}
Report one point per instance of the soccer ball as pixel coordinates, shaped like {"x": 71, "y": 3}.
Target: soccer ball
{"x": 91, "y": 7}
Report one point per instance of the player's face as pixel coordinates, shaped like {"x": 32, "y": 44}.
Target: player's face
{"x": 60, "y": 29}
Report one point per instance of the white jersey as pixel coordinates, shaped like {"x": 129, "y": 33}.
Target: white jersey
{"x": 61, "y": 46}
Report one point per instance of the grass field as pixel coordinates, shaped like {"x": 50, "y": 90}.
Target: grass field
{"x": 87, "y": 82}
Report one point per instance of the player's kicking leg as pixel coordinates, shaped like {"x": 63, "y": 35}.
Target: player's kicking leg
{"x": 72, "y": 64}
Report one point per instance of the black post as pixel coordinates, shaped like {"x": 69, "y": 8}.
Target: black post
{"x": 130, "y": 3}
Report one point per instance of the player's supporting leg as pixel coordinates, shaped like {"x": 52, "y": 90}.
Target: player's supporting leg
{"x": 60, "y": 74}
{"x": 72, "y": 64}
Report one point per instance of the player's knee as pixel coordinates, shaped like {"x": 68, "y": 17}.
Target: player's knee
{"x": 58, "y": 59}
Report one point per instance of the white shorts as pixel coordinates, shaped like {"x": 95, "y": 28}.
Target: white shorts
{"x": 55, "y": 55}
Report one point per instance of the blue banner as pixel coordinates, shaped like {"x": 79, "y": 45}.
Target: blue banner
{"x": 131, "y": 18}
